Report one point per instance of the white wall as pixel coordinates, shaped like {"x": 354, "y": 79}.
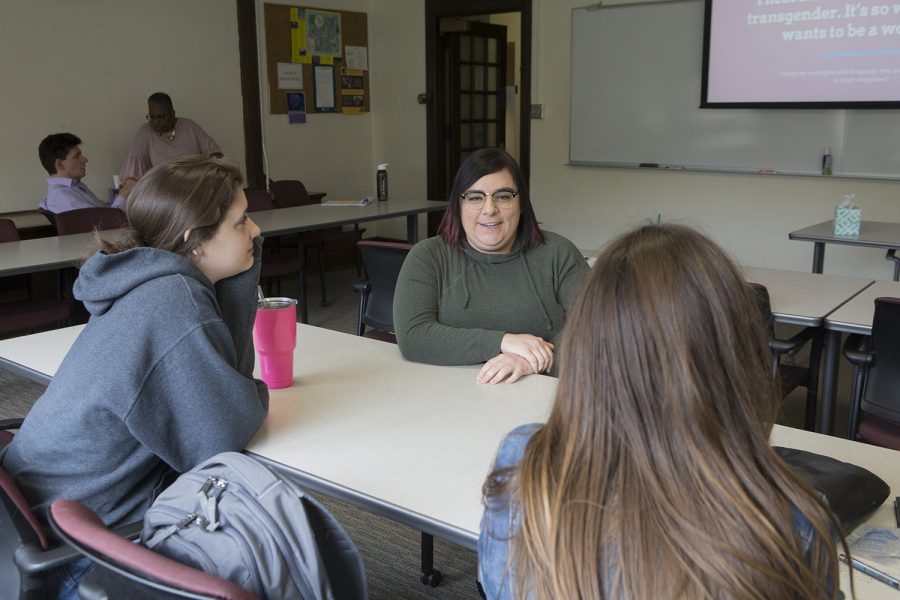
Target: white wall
{"x": 751, "y": 215}
{"x": 87, "y": 67}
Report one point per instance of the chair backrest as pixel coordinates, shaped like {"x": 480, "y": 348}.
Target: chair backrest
{"x": 82, "y": 529}
{"x": 258, "y": 200}
{"x": 85, "y": 220}
{"x": 289, "y": 192}
{"x": 881, "y": 395}
{"x": 8, "y": 231}
{"x": 19, "y": 528}
{"x": 382, "y": 262}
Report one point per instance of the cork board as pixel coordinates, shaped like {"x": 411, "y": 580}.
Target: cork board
{"x": 348, "y": 96}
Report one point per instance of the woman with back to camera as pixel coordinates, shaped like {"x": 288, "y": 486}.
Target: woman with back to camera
{"x": 491, "y": 287}
{"x": 161, "y": 377}
{"x": 653, "y": 476}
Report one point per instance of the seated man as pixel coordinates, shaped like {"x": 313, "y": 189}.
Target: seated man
{"x": 164, "y": 138}
{"x": 61, "y": 155}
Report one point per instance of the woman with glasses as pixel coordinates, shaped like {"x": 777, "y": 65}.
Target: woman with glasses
{"x": 165, "y": 137}
{"x": 653, "y": 476}
{"x": 492, "y": 287}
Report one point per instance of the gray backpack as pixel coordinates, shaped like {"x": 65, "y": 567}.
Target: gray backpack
{"x": 232, "y": 517}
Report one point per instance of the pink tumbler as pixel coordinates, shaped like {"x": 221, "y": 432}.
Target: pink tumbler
{"x": 275, "y": 336}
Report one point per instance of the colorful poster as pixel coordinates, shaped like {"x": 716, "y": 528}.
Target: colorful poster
{"x": 298, "y": 36}
{"x": 323, "y": 33}
{"x": 296, "y": 102}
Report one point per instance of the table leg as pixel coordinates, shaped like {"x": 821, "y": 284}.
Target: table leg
{"x": 304, "y": 308}
{"x": 818, "y": 257}
{"x": 430, "y": 576}
{"x": 412, "y": 228}
{"x": 829, "y": 381}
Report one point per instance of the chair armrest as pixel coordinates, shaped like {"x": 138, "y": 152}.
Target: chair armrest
{"x": 793, "y": 343}
{"x": 6, "y": 424}
{"x": 32, "y": 559}
{"x": 856, "y": 350}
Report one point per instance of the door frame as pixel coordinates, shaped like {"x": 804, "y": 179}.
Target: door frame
{"x": 435, "y": 10}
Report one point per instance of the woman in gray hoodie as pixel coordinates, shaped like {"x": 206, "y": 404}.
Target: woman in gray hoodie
{"x": 161, "y": 378}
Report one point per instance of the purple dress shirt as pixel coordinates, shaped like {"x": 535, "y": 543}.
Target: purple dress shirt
{"x": 64, "y": 194}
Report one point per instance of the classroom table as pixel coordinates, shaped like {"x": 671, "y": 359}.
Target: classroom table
{"x": 57, "y": 252}
{"x": 414, "y": 442}
{"x": 872, "y": 234}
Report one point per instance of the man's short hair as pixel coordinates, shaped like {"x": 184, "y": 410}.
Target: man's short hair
{"x": 161, "y": 98}
{"x": 56, "y": 146}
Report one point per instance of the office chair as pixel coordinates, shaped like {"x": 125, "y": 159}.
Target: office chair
{"x": 875, "y": 398}
{"x": 25, "y": 313}
{"x": 291, "y": 192}
{"x": 85, "y": 220}
{"x": 124, "y": 569}
{"x": 26, "y": 551}
{"x": 381, "y": 267}
{"x": 791, "y": 377}
{"x": 276, "y": 262}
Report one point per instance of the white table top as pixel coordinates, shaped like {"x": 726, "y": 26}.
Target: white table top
{"x": 414, "y": 442}
{"x": 801, "y": 298}
{"x": 856, "y": 315}
{"x": 44, "y": 254}
{"x": 876, "y": 234}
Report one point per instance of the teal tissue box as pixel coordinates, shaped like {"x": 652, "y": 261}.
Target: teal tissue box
{"x": 846, "y": 221}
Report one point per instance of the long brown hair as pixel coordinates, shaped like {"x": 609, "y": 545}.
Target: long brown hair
{"x": 653, "y": 476}
{"x": 192, "y": 192}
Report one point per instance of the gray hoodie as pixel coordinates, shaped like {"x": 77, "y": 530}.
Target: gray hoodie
{"x": 159, "y": 380}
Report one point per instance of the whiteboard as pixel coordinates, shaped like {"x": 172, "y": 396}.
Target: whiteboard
{"x": 635, "y": 97}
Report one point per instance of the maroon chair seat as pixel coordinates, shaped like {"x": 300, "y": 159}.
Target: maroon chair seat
{"x": 331, "y": 240}
{"x": 24, "y": 313}
{"x": 277, "y": 261}
{"x": 85, "y": 220}
{"x": 137, "y": 567}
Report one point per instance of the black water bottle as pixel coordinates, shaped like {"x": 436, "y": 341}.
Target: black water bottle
{"x": 381, "y": 183}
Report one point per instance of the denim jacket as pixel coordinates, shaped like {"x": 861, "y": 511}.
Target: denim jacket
{"x": 500, "y": 523}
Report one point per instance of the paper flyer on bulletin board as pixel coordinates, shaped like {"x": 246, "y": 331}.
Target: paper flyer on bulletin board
{"x": 353, "y": 93}
{"x": 298, "y": 37}
{"x": 323, "y": 80}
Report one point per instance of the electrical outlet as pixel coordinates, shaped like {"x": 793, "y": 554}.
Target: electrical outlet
{"x": 537, "y": 111}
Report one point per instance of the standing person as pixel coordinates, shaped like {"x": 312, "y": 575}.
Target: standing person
{"x": 653, "y": 476}
{"x": 61, "y": 156}
{"x": 161, "y": 378}
{"x": 165, "y": 137}
{"x": 492, "y": 287}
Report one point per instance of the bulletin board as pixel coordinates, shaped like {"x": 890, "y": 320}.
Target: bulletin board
{"x": 286, "y": 30}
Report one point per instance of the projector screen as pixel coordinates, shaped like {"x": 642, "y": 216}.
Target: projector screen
{"x": 801, "y": 53}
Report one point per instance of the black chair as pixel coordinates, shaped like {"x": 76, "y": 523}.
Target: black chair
{"x": 792, "y": 376}
{"x": 331, "y": 240}
{"x": 875, "y": 399}
{"x": 123, "y": 569}
{"x": 381, "y": 267}
{"x": 21, "y": 312}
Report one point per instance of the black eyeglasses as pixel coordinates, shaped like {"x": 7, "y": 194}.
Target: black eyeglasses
{"x": 475, "y": 199}
{"x": 162, "y": 117}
